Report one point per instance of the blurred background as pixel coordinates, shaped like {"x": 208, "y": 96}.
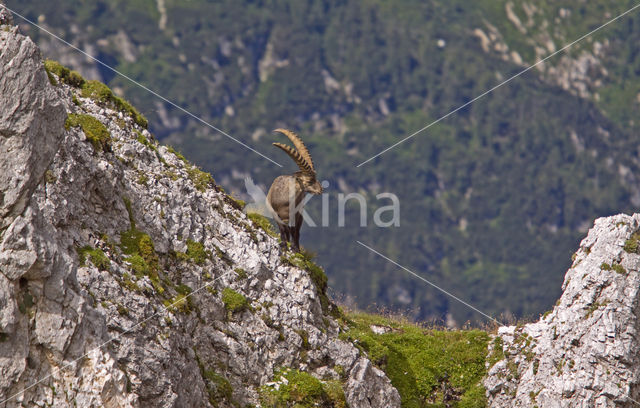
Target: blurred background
{"x": 494, "y": 199}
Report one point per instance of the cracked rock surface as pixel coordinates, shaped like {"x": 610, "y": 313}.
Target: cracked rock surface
{"x": 115, "y": 263}
{"x": 583, "y": 353}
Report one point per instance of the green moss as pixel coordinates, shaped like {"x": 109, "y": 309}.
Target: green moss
{"x": 633, "y": 243}
{"x": 201, "y": 179}
{"x": 143, "y": 257}
{"x": 264, "y": 223}
{"x": 242, "y": 274}
{"x": 305, "y": 339}
{"x": 195, "y": 253}
{"x": 619, "y": 269}
{"x": 595, "y": 306}
{"x": 236, "y": 202}
{"x": 128, "y": 283}
{"x": 65, "y": 75}
{"x": 179, "y": 303}
{"x": 234, "y": 301}
{"x": 138, "y": 265}
{"x": 301, "y": 390}
{"x": 218, "y": 387}
{"x": 50, "y": 177}
{"x": 179, "y": 155}
{"x": 122, "y": 310}
{"x": 497, "y": 353}
{"x": 96, "y": 132}
{"x": 143, "y": 179}
{"x": 96, "y": 255}
{"x": 605, "y": 266}
{"x": 421, "y": 362}
{"x": 101, "y": 93}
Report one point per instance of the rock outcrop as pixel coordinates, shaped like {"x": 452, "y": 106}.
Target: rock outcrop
{"x": 128, "y": 278}
{"x": 585, "y": 352}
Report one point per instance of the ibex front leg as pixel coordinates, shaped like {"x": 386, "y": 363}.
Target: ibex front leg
{"x": 295, "y": 232}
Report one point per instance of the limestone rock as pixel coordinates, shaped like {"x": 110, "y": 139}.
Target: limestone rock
{"x": 585, "y": 352}
{"x": 130, "y": 280}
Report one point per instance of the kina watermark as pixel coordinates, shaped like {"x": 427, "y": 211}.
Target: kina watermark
{"x": 384, "y": 216}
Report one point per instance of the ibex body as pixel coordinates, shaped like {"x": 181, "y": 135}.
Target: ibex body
{"x": 288, "y": 191}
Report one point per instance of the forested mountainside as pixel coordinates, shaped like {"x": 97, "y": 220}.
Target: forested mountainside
{"x": 493, "y": 198}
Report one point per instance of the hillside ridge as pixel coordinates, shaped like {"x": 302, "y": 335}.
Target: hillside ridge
{"x": 130, "y": 279}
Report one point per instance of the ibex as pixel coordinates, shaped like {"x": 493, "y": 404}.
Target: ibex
{"x": 288, "y": 191}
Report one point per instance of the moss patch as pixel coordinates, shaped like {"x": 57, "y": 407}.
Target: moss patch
{"x": 101, "y": 93}
{"x": 201, "y": 179}
{"x": 195, "y": 253}
{"x": 65, "y": 75}
{"x": 264, "y": 223}
{"x": 633, "y": 243}
{"x": 301, "y": 389}
{"x": 95, "y": 255}
{"x": 234, "y": 301}
{"x": 96, "y": 132}
{"x": 142, "y": 255}
{"x": 428, "y": 367}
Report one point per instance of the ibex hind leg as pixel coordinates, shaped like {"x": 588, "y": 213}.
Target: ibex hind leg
{"x": 284, "y": 236}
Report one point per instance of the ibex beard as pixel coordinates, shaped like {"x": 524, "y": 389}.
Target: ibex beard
{"x": 286, "y": 195}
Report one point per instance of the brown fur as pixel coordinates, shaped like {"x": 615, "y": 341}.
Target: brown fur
{"x": 288, "y": 191}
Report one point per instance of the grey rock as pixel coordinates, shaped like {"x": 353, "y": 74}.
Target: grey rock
{"x": 5, "y": 16}
{"x": 97, "y": 332}
{"x": 584, "y": 353}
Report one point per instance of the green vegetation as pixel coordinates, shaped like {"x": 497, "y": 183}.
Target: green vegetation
{"x": 242, "y": 274}
{"x": 633, "y": 243}
{"x": 264, "y": 223}
{"x": 92, "y": 89}
{"x": 96, "y": 132}
{"x": 619, "y": 269}
{"x": 142, "y": 255}
{"x": 95, "y": 255}
{"x": 218, "y": 387}
{"x": 195, "y": 253}
{"x": 179, "y": 303}
{"x": 201, "y": 179}
{"x": 302, "y": 390}
{"x": 234, "y": 301}
{"x": 101, "y": 93}
{"x": 65, "y": 75}
{"x": 595, "y": 306}
{"x": 430, "y": 368}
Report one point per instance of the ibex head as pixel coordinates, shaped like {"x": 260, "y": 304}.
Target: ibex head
{"x": 300, "y": 155}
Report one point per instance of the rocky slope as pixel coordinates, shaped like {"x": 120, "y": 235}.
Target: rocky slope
{"x": 584, "y": 353}
{"x": 128, "y": 278}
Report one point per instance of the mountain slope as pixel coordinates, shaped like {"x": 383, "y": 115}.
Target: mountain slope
{"x": 130, "y": 279}
{"x": 493, "y": 200}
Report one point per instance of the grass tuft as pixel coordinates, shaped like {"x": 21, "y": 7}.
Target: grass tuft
{"x": 96, "y": 132}
{"x": 421, "y": 362}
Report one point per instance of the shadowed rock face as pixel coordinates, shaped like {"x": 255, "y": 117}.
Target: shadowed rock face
{"x": 585, "y": 352}
{"x": 95, "y": 243}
